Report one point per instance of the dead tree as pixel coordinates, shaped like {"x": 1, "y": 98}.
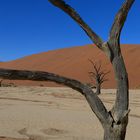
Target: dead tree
{"x": 98, "y": 76}
{"x": 115, "y": 121}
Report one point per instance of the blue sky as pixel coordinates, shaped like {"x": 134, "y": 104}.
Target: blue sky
{"x": 33, "y": 26}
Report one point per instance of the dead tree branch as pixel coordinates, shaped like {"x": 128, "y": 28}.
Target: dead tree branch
{"x": 119, "y": 20}
{"x": 74, "y": 15}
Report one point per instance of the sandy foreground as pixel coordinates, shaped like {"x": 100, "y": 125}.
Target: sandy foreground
{"x": 41, "y": 113}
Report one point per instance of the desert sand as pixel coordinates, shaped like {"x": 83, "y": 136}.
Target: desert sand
{"x": 73, "y": 62}
{"x": 48, "y": 113}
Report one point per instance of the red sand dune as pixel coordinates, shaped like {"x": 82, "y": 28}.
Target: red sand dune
{"x": 73, "y": 62}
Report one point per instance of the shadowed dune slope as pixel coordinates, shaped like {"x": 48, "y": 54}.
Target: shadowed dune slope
{"x": 73, "y": 62}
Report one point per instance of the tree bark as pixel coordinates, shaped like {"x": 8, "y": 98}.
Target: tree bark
{"x": 121, "y": 102}
{"x": 116, "y": 131}
{"x": 119, "y": 112}
{"x": 98, "y": 88}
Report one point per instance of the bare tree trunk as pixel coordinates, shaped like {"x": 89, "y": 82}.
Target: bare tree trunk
{"x": 98, "y": 88}
{"x": 121, "y": 102}
{"x": 115, "y": 132}
{"x": 119, "y": 112}
{"x": 117, "y": 129}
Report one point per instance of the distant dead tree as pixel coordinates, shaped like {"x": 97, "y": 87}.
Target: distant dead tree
{"x": 98, "y": 76}
{"x": 115, "y": 121}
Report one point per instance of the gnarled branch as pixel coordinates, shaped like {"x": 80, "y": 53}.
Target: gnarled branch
{"x": 72, "y": 13}
{"x": 93, "y": 100}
